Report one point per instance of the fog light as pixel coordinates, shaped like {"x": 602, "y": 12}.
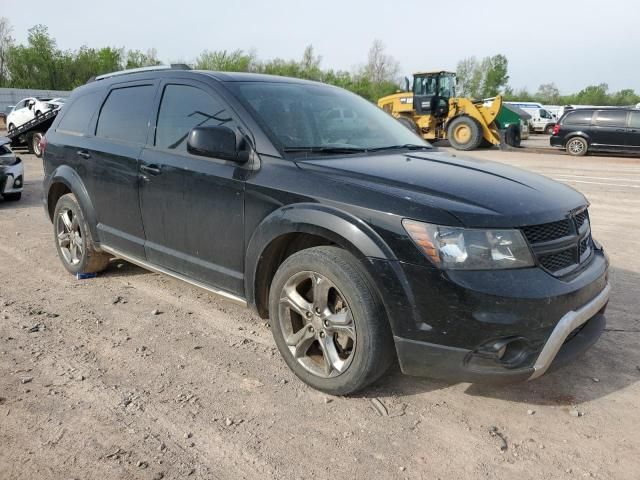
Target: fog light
{"x": 18, "y": 182}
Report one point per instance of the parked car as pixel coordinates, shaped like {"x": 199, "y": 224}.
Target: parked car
{"x": 360, "y": 246}
{"x": 598, "y": 130}
{"x": 28, "y": 109}
{"x": 11, "y": 172}
{"x": 542, "y": 121}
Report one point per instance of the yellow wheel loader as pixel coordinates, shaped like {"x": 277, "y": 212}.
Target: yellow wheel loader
{"x": 432, "y": 110}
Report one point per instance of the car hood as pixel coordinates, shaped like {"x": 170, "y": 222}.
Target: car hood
{"x": 478, "y": 193}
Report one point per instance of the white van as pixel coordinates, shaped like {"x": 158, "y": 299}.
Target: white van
{"x": 542, "y": 120}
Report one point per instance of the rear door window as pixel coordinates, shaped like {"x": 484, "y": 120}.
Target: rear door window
{"x": 634, "y": 119}
{"x": 611, "y": 118}
{"x": 77, "y": 115}
{"x": 125, "y": 114}
{"x": 184, "y": 107}
{"x": 578, "y": 118}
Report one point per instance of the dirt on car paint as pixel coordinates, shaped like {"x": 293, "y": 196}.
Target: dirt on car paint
{"x": 135, "y": 375}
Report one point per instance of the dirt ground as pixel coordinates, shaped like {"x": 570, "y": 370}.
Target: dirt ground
{"x": 94, "y": 385}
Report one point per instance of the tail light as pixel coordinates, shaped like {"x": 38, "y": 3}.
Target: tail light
{"x": 556, "y": 129}
{"x": 43, "y": 144}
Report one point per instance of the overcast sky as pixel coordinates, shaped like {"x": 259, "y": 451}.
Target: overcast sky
{"x": 572, "y": 43}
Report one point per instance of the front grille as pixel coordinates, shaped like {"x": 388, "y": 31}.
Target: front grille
{"x": 558, "y": 261}
{"x": 580, "y": 218}
{"x": 584, "y": 245}
{"x": 547, "y": 231}
{"x": 559, "y": 246}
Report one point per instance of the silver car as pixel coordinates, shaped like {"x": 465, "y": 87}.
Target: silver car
{"x": 11, "y": 172}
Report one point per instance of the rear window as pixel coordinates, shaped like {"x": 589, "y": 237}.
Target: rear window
{"x": 611, "y": 118}
{"x": 634, "y": 119}
{"x": 125, "y": 114}
{"x": 77, "y": 115}
{"x": 578, "y": 118}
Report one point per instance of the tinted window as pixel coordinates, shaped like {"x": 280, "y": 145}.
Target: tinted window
{"x": 125, "y": 114}
{"x": 184, "y": 107}
{"x": 611, "y": 118}
{"x": 302, "y": 116}
{"x": 578, "y": 118}
{"x": 634, "y": 120}
{"x": 77, "y": 115}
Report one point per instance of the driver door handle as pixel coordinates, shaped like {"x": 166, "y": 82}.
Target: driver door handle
{"x": 151, "y": 169}
{"x": 84, "y": 154}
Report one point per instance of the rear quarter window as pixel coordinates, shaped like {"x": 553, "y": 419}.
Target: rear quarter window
{"x": 611, "y": 118}
{"x": 125, "y": 114}
{"x": 578, "y": 118}
{"x": 77, "y": 115}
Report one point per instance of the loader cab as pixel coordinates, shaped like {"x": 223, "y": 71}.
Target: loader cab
{"x": 432, "y": 91}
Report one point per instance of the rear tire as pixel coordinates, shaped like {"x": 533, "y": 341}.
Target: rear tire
{"x": 336, "y": 357}
{"x": 464, "y": 133}
{"x": 577, "y": 146}
{"x": 34, "y": 142}
{"x": 549, "y": 129}
{"x": 410, "y": 124}
{"x": 12, "y": 197}
{"x": 73, "y": 238}
{"x": 512, "y": 136}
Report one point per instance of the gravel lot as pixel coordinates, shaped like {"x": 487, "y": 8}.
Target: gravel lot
{"x": 94, "y": 385}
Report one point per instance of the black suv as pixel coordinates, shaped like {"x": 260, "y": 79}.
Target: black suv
{"x": 598, "y": 129}
{"x": 360, "y": 242}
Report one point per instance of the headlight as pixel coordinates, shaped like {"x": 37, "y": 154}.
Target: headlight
{"x": 470, "y": 249}
{"x": 7, "y": 160}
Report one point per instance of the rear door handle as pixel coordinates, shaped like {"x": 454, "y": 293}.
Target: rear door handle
{"x": 151, "y": 169}
{"x": 83, "y": 154}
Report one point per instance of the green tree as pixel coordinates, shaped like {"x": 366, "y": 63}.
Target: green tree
{"x": 485, "y": 78}
{"x": 224, "y": 61}
{"x": 6, "y": 42}
{"x": 548, "y": 93}
{"x": 137, "y": 59}
{"x": 37, "y": 64}
{"x": 495, "y": 70}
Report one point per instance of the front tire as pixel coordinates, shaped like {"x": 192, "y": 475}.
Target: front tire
{"x": 328, "y": 321}
{"x": 577, "y": 146}
{"x": 549, "y": 129}
{"x": 11, "y": 128}
{"x": 73, "y": 238}
{"x": 464, "y": 133}
{"x": 410, "y": 124}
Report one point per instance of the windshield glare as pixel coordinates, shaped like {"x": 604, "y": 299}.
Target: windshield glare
{"x": 317, "y": 116}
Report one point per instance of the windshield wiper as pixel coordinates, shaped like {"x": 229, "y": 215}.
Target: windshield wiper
{"x": 409, "y": 146}
{"x": 325, "y": 149}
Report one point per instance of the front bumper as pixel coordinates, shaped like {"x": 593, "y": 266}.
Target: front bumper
{"x": 12, "y": 178}
{"x": 456, "y": 364}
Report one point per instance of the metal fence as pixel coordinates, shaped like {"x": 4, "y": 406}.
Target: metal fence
{"x": 11, "y": 96}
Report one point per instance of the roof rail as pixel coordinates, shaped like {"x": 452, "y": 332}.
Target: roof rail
{"x": 173, "y": 66}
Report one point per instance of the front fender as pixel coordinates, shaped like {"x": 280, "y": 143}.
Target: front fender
{"x": 68, "y": 177}
{"x": 335, "y": 225}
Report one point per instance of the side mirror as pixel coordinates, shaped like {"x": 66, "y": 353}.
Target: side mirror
{"x": 218, "y": 142}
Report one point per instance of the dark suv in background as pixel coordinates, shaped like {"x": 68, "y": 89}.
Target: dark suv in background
{"x": 598, "y": 130}
{"x": 360, "y": 242}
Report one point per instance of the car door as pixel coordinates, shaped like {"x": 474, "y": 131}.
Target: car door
{"x": 192, "y": 206}
{"x": 20, "y": 113}
{"x": 120, "y": 130}
{"x": 610, "y": 129}
{"x": 633, "y": 131}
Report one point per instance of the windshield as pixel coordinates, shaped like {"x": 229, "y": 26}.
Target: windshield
{"x": 305, "y": 116}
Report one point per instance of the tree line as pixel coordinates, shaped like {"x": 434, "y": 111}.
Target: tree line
{"x": 40, "y": 64}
